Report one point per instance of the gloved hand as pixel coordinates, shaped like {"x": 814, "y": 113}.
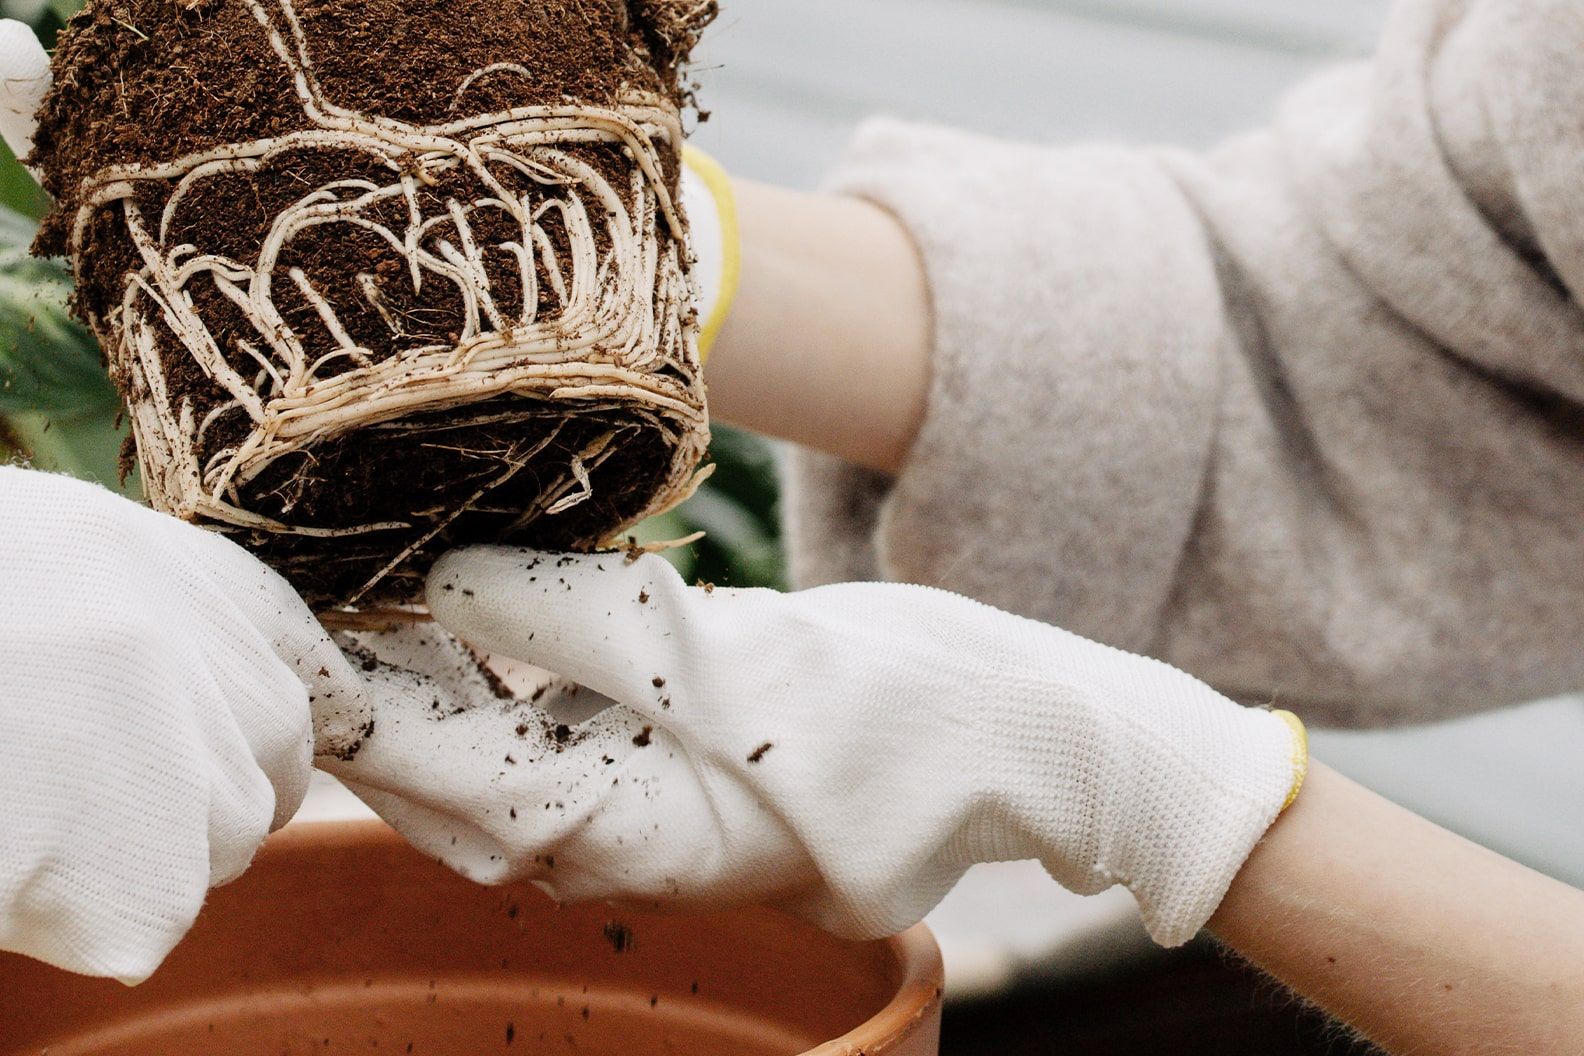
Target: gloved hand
{"x": 846, "y": 752}
{"x": 154, "y": 721}
{"x": 24, "y": 78}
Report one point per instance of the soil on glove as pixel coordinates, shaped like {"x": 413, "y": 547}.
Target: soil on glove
{"x": 149, "y": 81}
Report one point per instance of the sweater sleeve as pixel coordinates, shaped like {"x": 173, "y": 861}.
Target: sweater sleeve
{"x": 1303, "y": 415}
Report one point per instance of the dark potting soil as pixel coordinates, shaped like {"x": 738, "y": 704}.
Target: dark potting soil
{"x": 147, "y": 81}
{"x": 151, "y": 80}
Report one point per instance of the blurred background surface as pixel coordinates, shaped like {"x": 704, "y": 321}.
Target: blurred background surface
{"x": 786, "y": 81}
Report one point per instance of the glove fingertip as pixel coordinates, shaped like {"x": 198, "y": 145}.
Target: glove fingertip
{"x": 461, "y": 587}
{"x": 22, "y": 56}
{"x": 563, "y": 612}
{"x": 24, "y": 80}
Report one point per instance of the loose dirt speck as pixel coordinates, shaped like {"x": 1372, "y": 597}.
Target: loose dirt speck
{"x": 619, "y": 935}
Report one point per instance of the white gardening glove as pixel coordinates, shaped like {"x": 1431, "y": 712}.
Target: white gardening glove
{"x": 714, "y": 238}
{"x": 846, "y": 752}
{"x": 24, "y": 78}
{"x": 154, "y": 721}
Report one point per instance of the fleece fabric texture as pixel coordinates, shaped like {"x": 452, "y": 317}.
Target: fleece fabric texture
{"x": 1303, "y": 415}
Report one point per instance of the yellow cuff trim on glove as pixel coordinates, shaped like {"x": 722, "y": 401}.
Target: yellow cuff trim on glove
{"x": 714, "y": 177}
{"x": 1300, "y": 754}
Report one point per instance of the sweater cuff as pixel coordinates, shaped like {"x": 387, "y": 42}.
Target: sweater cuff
{"x": 1078, "y": 327}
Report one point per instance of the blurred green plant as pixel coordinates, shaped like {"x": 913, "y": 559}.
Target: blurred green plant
{"x": 18, "y": 192}
{"x": 59, "y": 410}
{"x": 736, "y": 509}
{"x": 50, "y": 363}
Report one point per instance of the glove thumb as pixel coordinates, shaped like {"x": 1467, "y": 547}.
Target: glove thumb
{"x": 619, "y": 627}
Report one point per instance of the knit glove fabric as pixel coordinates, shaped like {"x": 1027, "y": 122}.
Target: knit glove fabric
{"x": 847, "y": 752}
{"x": 24, "y": 78}
{"x": 154, "y": 721}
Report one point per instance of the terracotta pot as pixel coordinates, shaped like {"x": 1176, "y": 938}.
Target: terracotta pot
{"x": 342, "y": 939}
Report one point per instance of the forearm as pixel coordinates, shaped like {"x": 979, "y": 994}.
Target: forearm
{"x": 1155, "y": 377}
{"x": 1417, "y": 938}
{"x": 828, "y": 342}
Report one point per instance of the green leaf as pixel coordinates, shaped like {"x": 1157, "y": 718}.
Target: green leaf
{"x": 745, "y": 470}
{"x": 88, "y": 447}
{"x": 18, "y": 191}
{"x": 664, "y": 528}
{"x": 49, "y": 363}
{"x": 737, "y": 549}
{"x": 64, "y": 9}
{"x": 58, "y": 403}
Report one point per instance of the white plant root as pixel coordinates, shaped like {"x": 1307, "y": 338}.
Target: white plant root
{"x": 622, "y": 317}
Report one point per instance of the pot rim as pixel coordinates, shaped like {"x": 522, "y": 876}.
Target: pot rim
{"x": 919, "y": 991}
{"x": 919, "y": 995}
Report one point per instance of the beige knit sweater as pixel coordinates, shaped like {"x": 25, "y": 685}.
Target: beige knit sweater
{"x": 1304, "y": 415}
